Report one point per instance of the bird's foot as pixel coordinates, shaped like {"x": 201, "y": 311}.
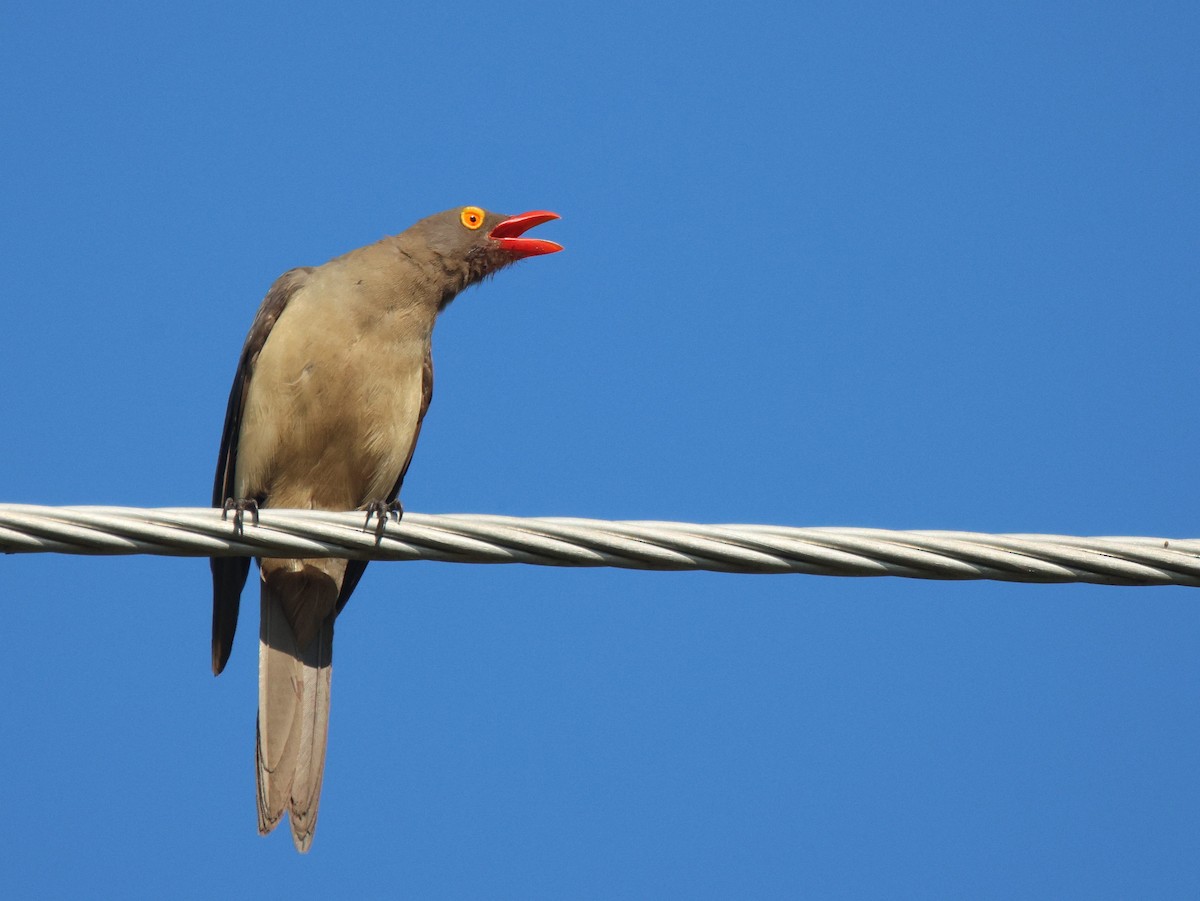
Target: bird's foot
{"x": 239, "y": 506}
{"x": 384, "y": 510}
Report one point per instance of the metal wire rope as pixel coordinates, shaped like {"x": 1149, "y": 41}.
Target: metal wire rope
{"x": 555, "y": 541}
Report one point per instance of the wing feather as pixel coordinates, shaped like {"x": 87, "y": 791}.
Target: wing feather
{"x": 229, "y": 573}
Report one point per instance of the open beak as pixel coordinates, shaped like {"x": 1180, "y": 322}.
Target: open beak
{"x": 508, "y": 235}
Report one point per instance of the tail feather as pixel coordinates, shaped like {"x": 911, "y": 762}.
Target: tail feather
{"x": 293, "y": 718}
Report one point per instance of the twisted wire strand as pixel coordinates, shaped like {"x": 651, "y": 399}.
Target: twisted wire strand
{"x": 557, "y": 541}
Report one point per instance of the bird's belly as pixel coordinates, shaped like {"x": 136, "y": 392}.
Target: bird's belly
{"x": 329, "y": 427}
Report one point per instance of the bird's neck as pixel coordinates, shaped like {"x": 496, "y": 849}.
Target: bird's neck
{"x": 438, "y": 277}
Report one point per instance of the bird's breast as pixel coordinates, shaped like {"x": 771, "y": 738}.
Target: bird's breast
{"x": 333, "y": 403}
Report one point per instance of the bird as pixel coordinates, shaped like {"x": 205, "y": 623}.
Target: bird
{"x": 331, "y": 388}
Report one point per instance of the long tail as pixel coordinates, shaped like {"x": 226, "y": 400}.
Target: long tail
{"x": 293, "y": 718}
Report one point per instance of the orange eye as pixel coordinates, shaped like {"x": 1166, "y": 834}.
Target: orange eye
{"x": 471, "y": 217}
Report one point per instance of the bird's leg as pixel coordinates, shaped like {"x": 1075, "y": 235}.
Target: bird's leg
{"x": 239, "y": 506}
{"x": 384, "y": 510}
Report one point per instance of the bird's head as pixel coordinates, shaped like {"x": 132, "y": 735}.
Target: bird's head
{"x": 481, "y": 241}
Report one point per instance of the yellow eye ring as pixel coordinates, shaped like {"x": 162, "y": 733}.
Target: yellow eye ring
{"x": 471, "y": 217}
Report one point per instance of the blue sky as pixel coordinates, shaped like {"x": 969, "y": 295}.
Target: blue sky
{"x": 864, "y": 264}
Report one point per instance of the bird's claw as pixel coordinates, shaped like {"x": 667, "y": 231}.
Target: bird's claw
{"x": 239, "y": 506}
{"x": 384, "y": 510}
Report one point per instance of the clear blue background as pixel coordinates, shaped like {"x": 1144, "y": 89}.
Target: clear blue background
{"x": 873, "y": 264}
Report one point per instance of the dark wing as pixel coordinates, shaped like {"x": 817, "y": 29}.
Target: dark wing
{"x": 355, "y": 568}
{"x": 229, "y": 573}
